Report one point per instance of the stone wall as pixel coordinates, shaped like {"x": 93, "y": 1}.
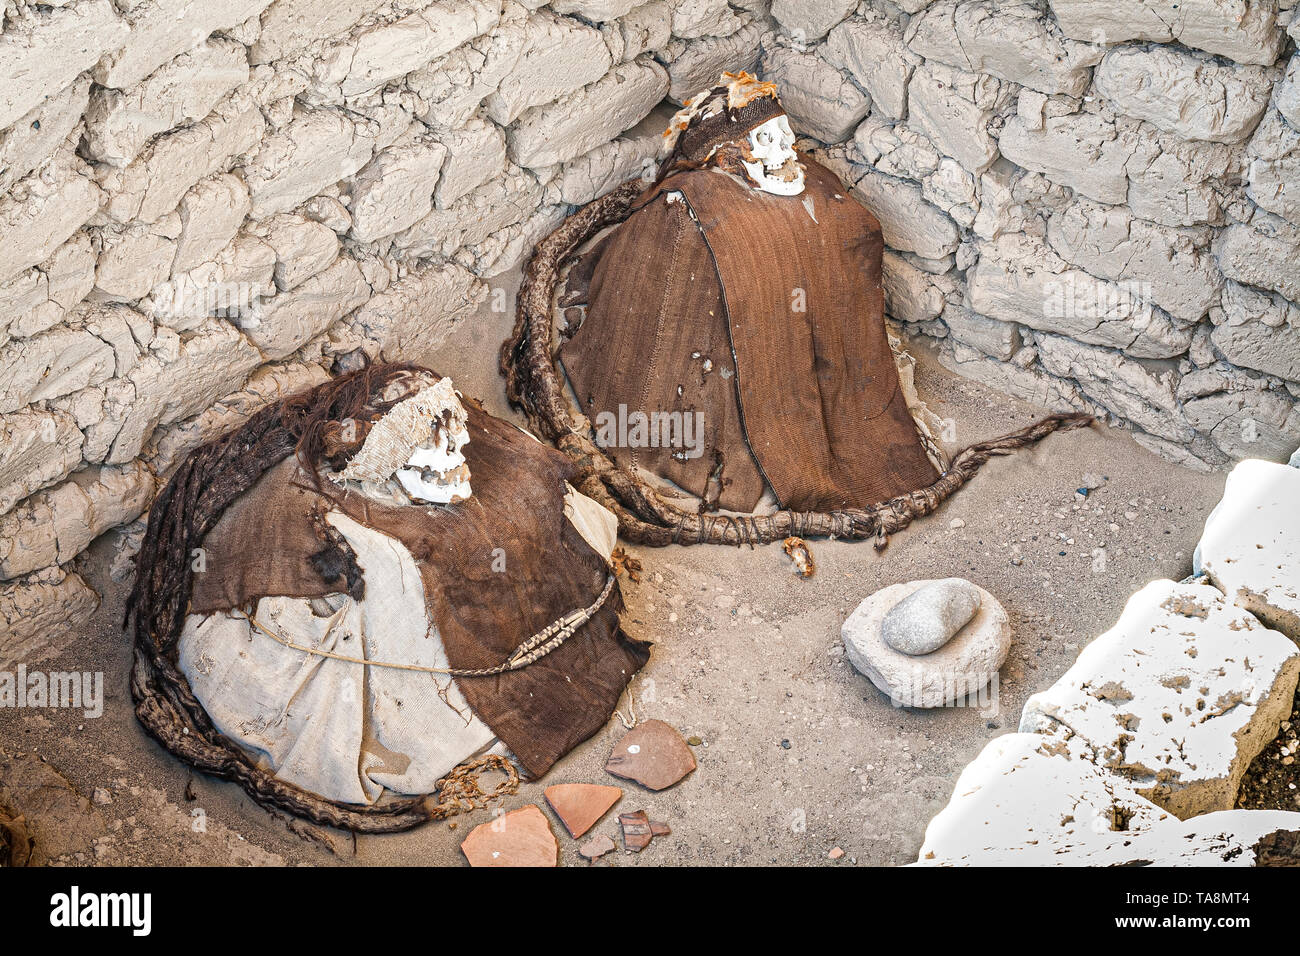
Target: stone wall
{"x": 207, "y": 204}
{"x": 1094, "y": 204}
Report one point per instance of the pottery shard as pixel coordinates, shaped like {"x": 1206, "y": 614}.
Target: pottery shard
{"x": 597, "y": 847}
{"x": 654, "y": 755}
{"x": 519, "y": 838}
{"x": 637, "y": 833}
{"x": 580, "y": 805}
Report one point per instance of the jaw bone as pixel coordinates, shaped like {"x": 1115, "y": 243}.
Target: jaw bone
{"x": 438, "y": 474}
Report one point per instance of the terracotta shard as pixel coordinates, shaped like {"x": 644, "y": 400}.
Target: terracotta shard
{"x": 653, "y": 754}
{"x": 519, "y": 838}
{"x": 659, "y": 828}
{"x": 580, "y": 805}
{"x": 636, "y": 830}
{"x": 597, "y": 847}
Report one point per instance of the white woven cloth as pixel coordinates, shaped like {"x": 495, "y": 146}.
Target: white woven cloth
{"x": 343, "y": 730}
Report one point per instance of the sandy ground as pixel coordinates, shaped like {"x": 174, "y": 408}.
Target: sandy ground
{"x": 799, "y": 753}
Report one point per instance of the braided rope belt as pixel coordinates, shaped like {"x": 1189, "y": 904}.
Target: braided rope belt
{"x": 533, "y": 649}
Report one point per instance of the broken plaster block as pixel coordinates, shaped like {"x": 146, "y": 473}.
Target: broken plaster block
{"x": 1250, "y": 548}
{"x": 1226, "y": 838}
{"x": 1030, "y": 800}
{"x": 1178, "y": 697}
{"x": 1027, "y": 800}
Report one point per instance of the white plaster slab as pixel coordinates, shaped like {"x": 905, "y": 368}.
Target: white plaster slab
{"x": 1251, "y": 546}
{"x": 1179, "y": 696}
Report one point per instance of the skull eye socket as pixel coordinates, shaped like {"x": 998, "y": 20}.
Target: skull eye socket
{"x": 764, "y": 137}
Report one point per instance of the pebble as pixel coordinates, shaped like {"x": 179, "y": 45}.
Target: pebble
{"x": 956, "y": 523}
{"x": 928, "y": 618}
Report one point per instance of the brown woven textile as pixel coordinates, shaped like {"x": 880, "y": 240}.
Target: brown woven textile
{"x": 729, "y": 126}
{"x": 16, "y": 841}
{"x": 263, "y": 544}
{"x": 527, "y": 360}
{"x": 636, "y": 346}
{"x": 819, "y": 402}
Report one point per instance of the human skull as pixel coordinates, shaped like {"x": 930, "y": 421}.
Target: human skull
{"x": 437, "y": 472}
{"x": 775, "y": 167}
{"x": 419, "y": 442}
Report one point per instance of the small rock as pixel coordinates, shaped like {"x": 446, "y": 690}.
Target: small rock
{"x": 930, "y": 616}
{"x": 101, "y": 797}
{"x": 835, "y": 854}
{"x": 956, "y": 523}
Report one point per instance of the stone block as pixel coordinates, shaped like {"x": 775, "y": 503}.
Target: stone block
{"x": 822, "y": 102}
{"x": 1188, "y": 95}
{"x": 42, "y": 53}
{"x": 1009, "y": 39}
{"x": 586, "y": 118}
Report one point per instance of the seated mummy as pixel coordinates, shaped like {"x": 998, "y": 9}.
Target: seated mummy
{"x": 734, "y": 340}
{"x": 343, "y": 608}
